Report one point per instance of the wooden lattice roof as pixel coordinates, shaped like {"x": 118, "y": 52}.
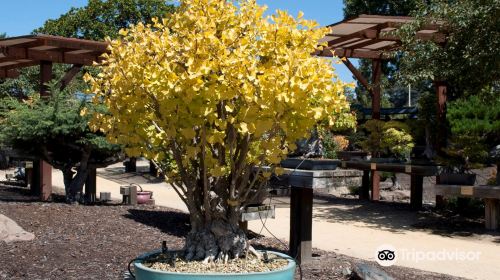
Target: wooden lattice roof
{"x": 24, "y": 51}
{"x": 369, "y": 36}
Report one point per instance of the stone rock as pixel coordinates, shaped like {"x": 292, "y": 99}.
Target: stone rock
{"x": 11, "y": 232}
{"x": 346, "y": 272}
{"x": 369, "y": 272}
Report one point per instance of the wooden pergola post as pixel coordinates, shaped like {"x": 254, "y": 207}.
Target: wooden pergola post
{"x": 45, "y": 77}
{"x": 301, "y": 209}
{"x": 375, "y": 88}
{"x": 44, "y": 186}
{"x": 91, "y": 185}
{"x": 375, "y": 93}
{"x": 441, "y": 92}
{"x": 417, "y": 191}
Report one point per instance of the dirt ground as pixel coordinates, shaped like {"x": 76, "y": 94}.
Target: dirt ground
{"x": 97, "y": 242}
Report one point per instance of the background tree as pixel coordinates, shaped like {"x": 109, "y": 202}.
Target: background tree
{"x": 475, "y": 127}
{"x": 469, "y": 60}
{"x": 54, "y": 130}
{"x": 104, "y": 18}
{"x": 223, "y": 91}
{"x": 354, "y": 8}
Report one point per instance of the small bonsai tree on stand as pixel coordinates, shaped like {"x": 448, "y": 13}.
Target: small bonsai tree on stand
{"x": 223, "y": 92}
{"x": 475, "y": 128}
{"x": 388, "y": 139}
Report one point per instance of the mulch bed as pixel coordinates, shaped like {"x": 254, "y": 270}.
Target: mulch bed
{"x": 97, "y": 242}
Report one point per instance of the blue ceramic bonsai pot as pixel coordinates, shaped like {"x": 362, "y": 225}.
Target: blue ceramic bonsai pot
{"x": 145, "y": 273}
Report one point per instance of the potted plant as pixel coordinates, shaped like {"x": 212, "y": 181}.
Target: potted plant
{"x": 354, "y": 151}
{"x": 386, "y": 140}
{"x": 216, "y": 95}
{"x": 319, "y": 152}
{"x": 475, "y": 130}
{"x": 460, "y": 156}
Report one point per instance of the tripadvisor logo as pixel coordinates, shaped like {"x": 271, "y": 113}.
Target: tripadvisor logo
{"x": 385, "y": 255}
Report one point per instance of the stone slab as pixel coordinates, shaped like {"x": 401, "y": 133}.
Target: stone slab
{"x": 319, "y": 179}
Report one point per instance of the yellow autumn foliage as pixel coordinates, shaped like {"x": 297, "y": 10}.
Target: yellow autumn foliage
{"x": 217, "y": 84}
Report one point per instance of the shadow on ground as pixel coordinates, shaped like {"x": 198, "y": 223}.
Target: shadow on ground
{"x": 170, "y": 222}
{"x": 391, "y": 216}
{"x": 13, "y": 193}
{"x": 118, "y": 175}
{"x": 396, "y": 217}
{"x": 10, "y": 193}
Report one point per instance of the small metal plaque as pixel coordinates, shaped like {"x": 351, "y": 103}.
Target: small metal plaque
{"x": 407, "y": 168}
{"x": 344, "y": 164}
{"x": 28, "y": 164}
{"x": 373, "y": 166}
{"x": 125, "y": 190}
{"x": 467, "y": 190}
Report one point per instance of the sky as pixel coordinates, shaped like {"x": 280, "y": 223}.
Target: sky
{"x": 21, "y": 17}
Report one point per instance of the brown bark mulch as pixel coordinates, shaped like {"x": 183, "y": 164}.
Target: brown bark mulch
{"x": 97, "y": 242}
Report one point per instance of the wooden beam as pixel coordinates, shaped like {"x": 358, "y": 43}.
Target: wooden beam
{"x": 23, "y": 42}
{"x": 376, "y": 75}
{"x": 9, "y": 73}
{"x": 5, "y": 59}
{"x": 356, "y": 73}
{"x": 352, "y": 53}
{"x": 57, "y": 56}
{"x": 68, "y": 77}
{"x": 45, "y": 77}
{"x": 422, "y": 170}
{"x": 16, "y": 65}
{"x": 482, "y": 191}
{"x": 363, "y": 43}
{"x": 72, "y": 43}
{"x": 436, "y": 37}
{"x": 84, "y": 59}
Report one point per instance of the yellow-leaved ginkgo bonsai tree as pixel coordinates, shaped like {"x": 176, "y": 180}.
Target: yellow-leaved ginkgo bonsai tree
{"x": 217, "y": 95}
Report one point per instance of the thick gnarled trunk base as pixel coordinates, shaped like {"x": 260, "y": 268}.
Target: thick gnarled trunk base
{"x": 217, "y": 242}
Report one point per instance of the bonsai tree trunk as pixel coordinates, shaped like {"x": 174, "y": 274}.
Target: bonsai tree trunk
{"x": 78, "y": 181}
{"x": 215, "y": 236}
{"x": 215, "y": 204}
{"x": 73, "y": 180}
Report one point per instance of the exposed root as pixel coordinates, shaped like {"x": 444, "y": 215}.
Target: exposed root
{"x": 254, "y": 252}
{"x": 208, "y": 260}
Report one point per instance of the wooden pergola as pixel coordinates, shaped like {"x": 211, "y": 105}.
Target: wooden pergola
{"x": 365, "y": 37}
{"x": 372, "y": 37}
{"x": 44, "y": 51}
